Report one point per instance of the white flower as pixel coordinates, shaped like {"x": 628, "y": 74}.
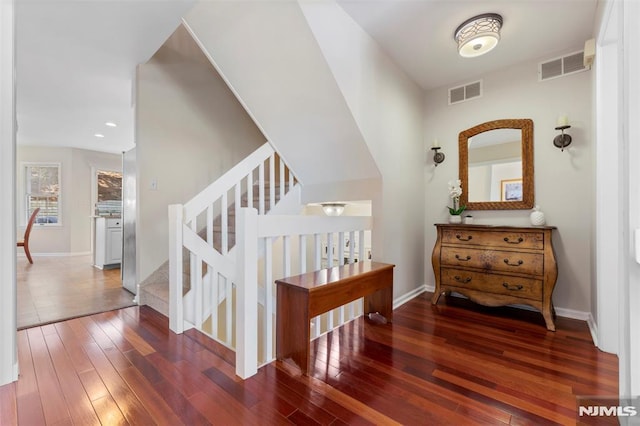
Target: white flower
{"x": 455, "y": 189}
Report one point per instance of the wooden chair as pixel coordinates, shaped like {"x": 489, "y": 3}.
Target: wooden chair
{"x": 25, "y": 241}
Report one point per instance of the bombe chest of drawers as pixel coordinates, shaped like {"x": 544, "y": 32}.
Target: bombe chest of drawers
{"x": 497, "y": 265}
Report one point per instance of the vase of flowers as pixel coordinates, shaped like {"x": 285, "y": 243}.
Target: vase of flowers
{"x": 455, "y": 191}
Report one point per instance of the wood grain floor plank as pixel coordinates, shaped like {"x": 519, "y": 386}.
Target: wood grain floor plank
{"x": 54, "y": 406}
{"x": 536, "y": 412}
{"x": 131, "y": 408}
{"x": 81, "y": 410}
{"x": 93, "y": 385}
{"x": 138, "y": 343}
{"x": 28, "y": 400}
{"x": 149, "y": 397}
{"x": 462, "y": 402}
{"x": 8, "y": 406}
{"x": 73, "y": 347}
{"x": 454, "y": 363}
{"x": 212, "y": 410}
{"x": 108, "y": 411}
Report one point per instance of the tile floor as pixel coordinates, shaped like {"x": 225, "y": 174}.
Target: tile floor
{"x": 58, "y": 288}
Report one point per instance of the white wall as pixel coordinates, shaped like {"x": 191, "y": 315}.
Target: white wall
{"x": 8, "y": 347}
{"x": 190, "y": 130}
{"x": 271, "y": 60}
{"x": 630, "y": 326}
{"x": 563, "y": 180}
{"x": 388, "y": 108}
{"x": 74, "y": 234}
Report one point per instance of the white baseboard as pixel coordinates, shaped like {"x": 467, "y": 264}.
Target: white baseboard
{"x": 561, "y": 312}
{"x": 408, "y": 296}
{"x": 593, "y": 328}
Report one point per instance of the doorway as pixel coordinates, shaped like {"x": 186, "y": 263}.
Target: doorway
{"x": 61, "y": 285}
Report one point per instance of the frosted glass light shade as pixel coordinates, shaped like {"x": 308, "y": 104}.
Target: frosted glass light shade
{"x": 478, "y": 35}
{"x": 333, "y": 209}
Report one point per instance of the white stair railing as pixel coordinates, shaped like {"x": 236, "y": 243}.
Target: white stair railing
{"x": 208, "y": 241}
{"x": 230, "y": 291}
{"x": 289, "y": 244}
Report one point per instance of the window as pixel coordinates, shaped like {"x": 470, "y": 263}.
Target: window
{"x": 109, "y": 194}
{"x": 42, "y": 189}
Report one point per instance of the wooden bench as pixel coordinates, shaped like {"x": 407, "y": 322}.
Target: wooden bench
{"x": 303, "y": 297}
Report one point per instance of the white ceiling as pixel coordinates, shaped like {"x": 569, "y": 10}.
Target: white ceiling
{"x": 418, "y": 34}
{"x": 76, "y": 62}
{"x": 76, "y": 59}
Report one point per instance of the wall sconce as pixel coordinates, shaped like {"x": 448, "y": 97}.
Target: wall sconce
{"x": 438, "y": 157}
{"x": 333, "y": 209}
{"x": 563, "y": 140}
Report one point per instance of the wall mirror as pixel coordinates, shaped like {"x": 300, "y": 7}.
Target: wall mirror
{"x": 496, "y": 165}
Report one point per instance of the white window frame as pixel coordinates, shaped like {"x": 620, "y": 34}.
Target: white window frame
{"x": 25, "y": 194}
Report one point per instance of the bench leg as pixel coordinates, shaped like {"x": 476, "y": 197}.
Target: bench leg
{"x": 381, "y": 301}
{"x": 292, "y": 327}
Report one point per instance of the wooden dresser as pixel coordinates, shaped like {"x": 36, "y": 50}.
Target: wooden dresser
{"x": 497, "y": 265}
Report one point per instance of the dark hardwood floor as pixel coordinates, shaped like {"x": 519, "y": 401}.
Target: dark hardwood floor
{"x": 57, "y": 288}
{"x": 455, "y": 363}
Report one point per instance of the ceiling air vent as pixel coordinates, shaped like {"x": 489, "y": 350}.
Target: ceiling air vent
{"x": 466, "y": 92}
{"x": 559, "y": 67}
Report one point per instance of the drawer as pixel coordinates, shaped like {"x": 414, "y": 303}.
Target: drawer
{"x": 527, "y": 288}
{"x": 462, "y": 236}
{"x": 114, "y": 223}
{"x": 493, "y": 260}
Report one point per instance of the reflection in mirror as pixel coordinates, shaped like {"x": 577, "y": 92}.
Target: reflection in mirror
{"x": 495, "y": 166}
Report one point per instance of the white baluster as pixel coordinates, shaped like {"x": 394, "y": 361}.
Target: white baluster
{"x": 286, "y": 255}
{"x": 302, "y": 243}
{"x": 214, "y": 279}
{"x": 247, "y": 294}
{"x": 269, "y": 307}
{"x": 250, "y": 190}
{"x": 272, "y": 182}
{"x": 196, "y": 284}
{"x": 317, "y": 242}
{"x": 224, "y": 223}
{"x": 176, "y": 307}
{"x": 210, "y": 225}
{"x": 261, "y": 206}
{"x": 329, "y": 250}
{"x": 282, "y": 171}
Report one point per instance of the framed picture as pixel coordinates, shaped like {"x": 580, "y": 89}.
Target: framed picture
{"x": 511, "y": 190}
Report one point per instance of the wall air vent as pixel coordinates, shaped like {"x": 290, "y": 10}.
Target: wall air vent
{"x": 466, "y": 92}
{"x": 560, "y": 67}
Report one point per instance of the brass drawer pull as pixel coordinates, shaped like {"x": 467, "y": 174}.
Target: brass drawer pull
{"x": 520, "y": 239}
{"x": 469, "y": 238}
{"x": 468, "y": 258}
{"x": 463, "y": 281}
{"x": 512, "y": 287}
{"x": 520, "y": 262}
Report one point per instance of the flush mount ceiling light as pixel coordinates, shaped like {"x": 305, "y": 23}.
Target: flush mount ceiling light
{"x": 333, "y": 209}
{"x": 478, "y": 35}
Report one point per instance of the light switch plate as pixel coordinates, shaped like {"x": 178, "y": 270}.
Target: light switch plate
{"x": 637, "y": 232}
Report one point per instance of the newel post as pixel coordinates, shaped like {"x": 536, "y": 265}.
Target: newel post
{"x": 247, "y": 292}
{"x": 176, "y": 307}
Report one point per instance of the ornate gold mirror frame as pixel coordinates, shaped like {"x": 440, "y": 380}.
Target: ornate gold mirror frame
{"x": 526, "y": 127}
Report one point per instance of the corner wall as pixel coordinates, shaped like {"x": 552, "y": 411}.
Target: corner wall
{"x": 8, "y": 345}
{"x": 388, "y": 108}
{"x": 563, "y": 180}
{"x": 190, "y": 130}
